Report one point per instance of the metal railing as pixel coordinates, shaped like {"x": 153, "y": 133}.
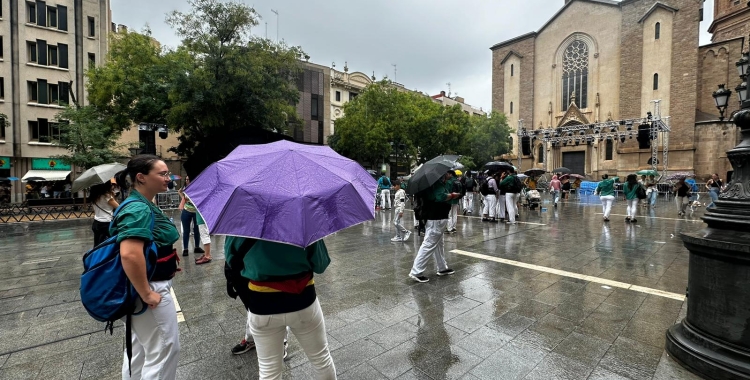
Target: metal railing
{"x": 14, "y": 213}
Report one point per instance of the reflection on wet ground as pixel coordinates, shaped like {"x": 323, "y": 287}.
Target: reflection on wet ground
{"x": 522, "y": 317}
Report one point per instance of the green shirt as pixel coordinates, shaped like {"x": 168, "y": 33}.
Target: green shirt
{"x": 630, "y": 193}
{"x": 198, "y": 219}
{"x": 606, "y": 187}
{"x": 449, "y": 188}
{"x": 267, "y": 259}
{"x": 134, "y": 221}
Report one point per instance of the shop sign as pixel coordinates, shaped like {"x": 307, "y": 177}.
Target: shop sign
{"x": 4, "y": 162}
{"x": 48, "y": 164}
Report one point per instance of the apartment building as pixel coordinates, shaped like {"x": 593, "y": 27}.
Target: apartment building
{"x": 45, "y": 49}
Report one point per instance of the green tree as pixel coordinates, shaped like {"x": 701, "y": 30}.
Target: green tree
{"x": 87, "y": 137}
{"x": 487, "y": 138}
{"x": 232, "y": 80}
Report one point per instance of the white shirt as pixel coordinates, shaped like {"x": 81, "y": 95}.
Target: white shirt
{"x": 102, "y": 210}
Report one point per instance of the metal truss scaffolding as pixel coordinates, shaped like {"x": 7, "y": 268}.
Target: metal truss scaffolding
{"x": 622, "y": 130}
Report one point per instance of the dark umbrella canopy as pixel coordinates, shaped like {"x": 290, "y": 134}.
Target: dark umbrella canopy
{"x": 430, "y": 172}
{"x": 35, "y": 179}
{"x": 534, "y": 172}
{"x": 563, "y": 170}
{"x": 497, "y": 166}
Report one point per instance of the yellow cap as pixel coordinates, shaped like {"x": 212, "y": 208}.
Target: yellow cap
{"x": 458, "y": 172}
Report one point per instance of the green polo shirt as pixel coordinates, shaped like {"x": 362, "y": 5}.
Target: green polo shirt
{"x": 607, "y": 186}
{"x": 134, "y": 222}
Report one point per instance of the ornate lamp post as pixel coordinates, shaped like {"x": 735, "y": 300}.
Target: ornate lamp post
{"x": 714, "y": 338}
{"x": 721, "y": 97}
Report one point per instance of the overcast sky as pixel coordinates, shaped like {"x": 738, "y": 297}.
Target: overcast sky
{"x": 432, "y": 42}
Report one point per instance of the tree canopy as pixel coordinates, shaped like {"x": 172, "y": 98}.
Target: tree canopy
{"x": 385, "y": 121}
{"x": 87, "y": 137}
{"x": 218, "y": 80}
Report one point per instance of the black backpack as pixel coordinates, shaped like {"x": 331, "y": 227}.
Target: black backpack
{"x": 516, "y": 186}
{"x": 458, "y": 188}
{"x": 484, "y": 188}
{"x": 469, "y": 184}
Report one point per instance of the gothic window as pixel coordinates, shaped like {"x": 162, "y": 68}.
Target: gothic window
{"x": 657, "y": 31}
{"x": 608, "y": 149}
{"x": 511, "y": 70}
{"x": 656, "y": 82}
{"x": 575, "y": 74}
{"x": 540, "y": 156}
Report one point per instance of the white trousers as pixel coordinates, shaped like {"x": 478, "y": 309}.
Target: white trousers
{"x": 469, "y": 202}
{"x": 453, "y": 217}
{"x": 489, "y": 205}
{"x": 511, "y": 202}
{"x": 156, "y": 339}
{"x": 433, "y": 243}
{"x": 399, "y": 223}
{"x": 249, "y": 334}
{"x": 385, "y": 196}
{"x": 632, "y": 207}
{"x": 607, "y": 201}
{"x": 500, "y": 205}
{"x": 682, "y": 203}
{"x": 307, "y": 325}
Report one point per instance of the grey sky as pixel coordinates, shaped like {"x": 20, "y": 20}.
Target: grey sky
{"x": 432, "y": 42}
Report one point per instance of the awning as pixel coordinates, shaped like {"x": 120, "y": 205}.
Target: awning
{"x": 48, "y": 175}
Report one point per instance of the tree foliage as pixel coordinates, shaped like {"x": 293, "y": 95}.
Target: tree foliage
{"x": 87, "y": 137}
{"x": 218, "y": 80}
{"x": 383, "y": 119}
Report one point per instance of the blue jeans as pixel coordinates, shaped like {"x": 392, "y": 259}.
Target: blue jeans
{"x": 187, "y": 218}
{"x": 652, "y": 197}
{"x": 714, "y": 194}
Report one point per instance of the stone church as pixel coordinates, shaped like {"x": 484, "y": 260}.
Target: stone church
{"x": 596, "y": 61}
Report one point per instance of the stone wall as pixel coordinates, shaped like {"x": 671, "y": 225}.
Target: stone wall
{"x": 524, "y": 48}
{"x": 713, "y": 140}
{"x": 716, "y": 66}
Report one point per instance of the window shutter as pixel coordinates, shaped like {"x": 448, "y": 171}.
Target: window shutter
{"x": 42, "y": 91}
{"x": 62, "y": 17}
{"x": 41, "y": 13}
{"x": 63, "y": 92}
{"x": 41, "y": 52}
{"x": 62, "y": 51}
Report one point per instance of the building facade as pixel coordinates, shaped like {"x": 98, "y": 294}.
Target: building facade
{"x": 345, "y": 86}
{"x": 627, "y": 55}
{"x": 448, "y": 101}
{"x": 45, "y": 48}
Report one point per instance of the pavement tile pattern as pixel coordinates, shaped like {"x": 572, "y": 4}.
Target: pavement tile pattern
{"x": 487, "y": 321}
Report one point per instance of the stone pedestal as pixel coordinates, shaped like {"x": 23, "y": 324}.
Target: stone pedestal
{"x": 714, "y": 339}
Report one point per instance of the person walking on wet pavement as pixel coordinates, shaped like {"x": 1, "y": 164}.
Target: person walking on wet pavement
{"x": 554, "y": 188}
{"x": 630, "y": 188}
{"x": 435, "y": 209}
{"x": 488, "y": 214}
{"x": 714, "y": 186}
{"x": 513, "y": 188}
{"x": 384, "y": 185}
{"x": 468, "y": 200}
{"x": 682, "y": 191}
{"x": 455, "y": 187}
{"x": 652, "y": 191}
{"x": 501, "y": 192}
{"x": 399, "y": 200}
{"x": 606, "y": 191}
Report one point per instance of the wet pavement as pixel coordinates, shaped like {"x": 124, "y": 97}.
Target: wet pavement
{"x": 558, "y": 296}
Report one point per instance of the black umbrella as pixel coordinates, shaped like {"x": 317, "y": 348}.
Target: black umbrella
{"x": 563, "y": 170}
{"x": 430, "y": 172}
{"x": 534, "y": 172}
{"x": 498, "y": 166}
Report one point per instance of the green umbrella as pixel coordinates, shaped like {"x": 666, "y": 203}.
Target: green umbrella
{"x": 648, "y": 172}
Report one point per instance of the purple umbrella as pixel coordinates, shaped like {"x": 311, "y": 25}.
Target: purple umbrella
{"x": 283, "y": 192}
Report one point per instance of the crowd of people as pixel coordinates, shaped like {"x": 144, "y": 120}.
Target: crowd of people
{"x": 48, "y": 189}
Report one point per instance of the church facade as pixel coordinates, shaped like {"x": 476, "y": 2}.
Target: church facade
{"x": 600, "y": 60}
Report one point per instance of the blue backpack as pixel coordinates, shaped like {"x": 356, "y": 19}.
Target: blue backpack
{"x": 106, "y": 292}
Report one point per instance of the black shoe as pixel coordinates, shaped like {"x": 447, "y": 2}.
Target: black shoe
{"x": 634, "y": 220}
{"x": 185, "y": 252}
{"x": 421, "y": 279}
{"x": 198, "y": 250}
{"x": 446, "y": 272}
{"x": 243, "y": 347}
{"x": 627, "y": 219}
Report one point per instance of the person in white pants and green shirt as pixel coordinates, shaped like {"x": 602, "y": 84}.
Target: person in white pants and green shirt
{"x": 399, "y": 200}
{"x": 606, "y": 191}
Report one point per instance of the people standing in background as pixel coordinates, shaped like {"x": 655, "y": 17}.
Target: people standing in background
{"x": 470, "y": 186}
{"x": 652, "y": 191}
{"x": 682, "y": 193}
{"x": 399, "y": 200}
{"x": 488, "y": 214}
{"x": 103, "y": 199}
{"x": 565, "y": 186}
{"x": 455, "y": 187}
{"x": 555, "y": 187}
{"x": 188, "y": 220}
{"x": 630, "y": 188}
{"x": 714, "y": 186}
{"x": 384, "y": 185}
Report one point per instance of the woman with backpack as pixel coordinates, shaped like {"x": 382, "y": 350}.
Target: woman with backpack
{"x": 630, "y": 188}
{"x": 155, "y": 337}
{"x": 103, "y": 198}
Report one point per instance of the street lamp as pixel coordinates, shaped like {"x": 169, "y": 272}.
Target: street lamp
{"x": 713, "y": 339}
{"x": 721, "y": 97}
{"x": 742, "y": 91}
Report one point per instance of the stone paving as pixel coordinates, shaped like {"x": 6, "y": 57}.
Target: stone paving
{"x": 488, "y": 321}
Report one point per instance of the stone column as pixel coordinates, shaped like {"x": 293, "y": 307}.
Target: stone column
{"x": 714, "y": 338}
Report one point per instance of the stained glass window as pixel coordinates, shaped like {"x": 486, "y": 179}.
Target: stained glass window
{"x": 575, "y": 74}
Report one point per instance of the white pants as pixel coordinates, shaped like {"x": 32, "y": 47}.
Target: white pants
{"x": 511, "y": 202}
{"x": 469, "y": 202}
{"x": 607, "y": 201}
{"x": 399, "y": 223}
{"x": 249, "y": 334}
{"x": 682, "y": 203}
{"x": 489, "y": 205}
{"x": 205, "y": 237}
{"x": 501, "y": 202}
{"x": 453, "y": 217}
{"x": 307, "y": 325}
{"x": 156, "y": 339}
{"x": 385, "y": 196}
{"x": 632, "y": 207}
{"x": 433, "y": 244}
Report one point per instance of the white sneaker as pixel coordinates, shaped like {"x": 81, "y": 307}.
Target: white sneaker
{"x": 396, "y": 239}
{"x": 286, "y": 352}
{"x": 406, "y": 237}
